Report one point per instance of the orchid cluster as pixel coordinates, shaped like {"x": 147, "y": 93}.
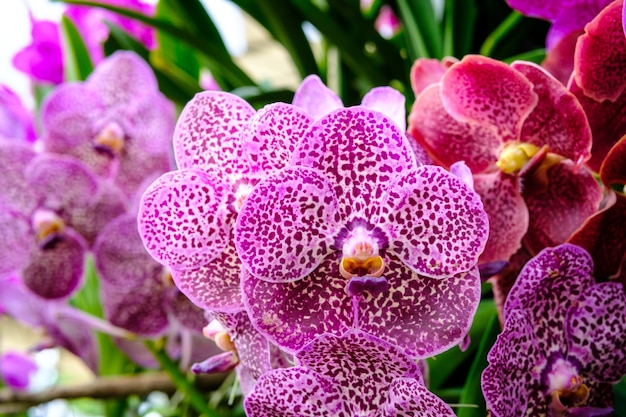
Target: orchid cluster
{"x": 337, "y": 257}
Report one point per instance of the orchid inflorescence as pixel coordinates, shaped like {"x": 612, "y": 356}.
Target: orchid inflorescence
{"x": 331, "y": 251}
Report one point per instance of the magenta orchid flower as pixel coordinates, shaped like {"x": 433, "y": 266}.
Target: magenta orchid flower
{"x": 570, "y": 337}
{"x": 90, "y": 22}
{"x": 354, "y": 233}
{"x": 512, "y": 125}
{"x": 117, "y": 122}
{"x": 51, "y": 210}
{"x": 16, "y": 121}
{"x": 16, "y": 370}
{"x": 354, "y": 374}
{"x": 222, "y": 148}
{"x": 603, "y": 235}
{"x": 42, "y": 60}
{"x": 598, "y": 82}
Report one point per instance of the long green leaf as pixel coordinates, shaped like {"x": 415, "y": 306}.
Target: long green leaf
{"x": 423, "y": 34}
{"x": 500, "y": 32}
{"x": 459, "y": 22}
{"x": 214, "y": 55}
{"x": 76, "y": 59}
{"x": 619, "y": 390}
{"x": 472, "y": 395}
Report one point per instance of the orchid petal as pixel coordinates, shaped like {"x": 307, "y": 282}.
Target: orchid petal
{"x": 613, "y": 169}
{"x": 184, "y": 220}
{"x": 389, "y": 102}
{"x": 214, "y": 286}
{"x": 16, "y": 243}
{"x": 14, "y": 189}
{"x": 425, "y": 72}
{"x": 284, "y": 225}
{"x": 596, "y": 329}
{"x": 271, "y": 136}
{"x": 437, "y": 221}
{"x": 207, "y": 134}
{"x": 558, "y": 120}
{"x": 367, "y": 150}
{"x": 600, "y": 54}
{"x": 483, "y": 90}
{"x": 409, "y": 397}
{"x": 448, "y": 140}
{"x": 315, "y": 98}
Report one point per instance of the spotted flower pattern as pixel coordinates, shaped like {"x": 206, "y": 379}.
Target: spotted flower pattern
{"x": 354, "y": 374}
{"x": 571, "y": 337}
{"x": 354, "y": 233}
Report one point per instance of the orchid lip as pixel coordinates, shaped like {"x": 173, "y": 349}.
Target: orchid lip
{"x": 48, "y": 227}
{"x": 110, "y": 139}
{"x": 515, "y": 156}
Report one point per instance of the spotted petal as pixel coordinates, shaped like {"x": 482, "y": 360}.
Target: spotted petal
{"x": 448, "y": 140}
{"x": 558, "y": 120}
{"x": 14, "y": 189}
{"x": 359, "y": 151}
{"x": 284, "y": 225}
{"x": 295, "y": 392}
{"x": 16, "y": 243}
{"x": 550, "y": 283}
{"x": 483, "y": 90}
{"x": 183, "y": 218}
{"x": 214, "y": 286}
{"x": 315, "y": 98}
{"x": 600, "y": 54}
{"x": 271, "y": 136}
{"x": 437, "y": 222}
{"x": 409, "y": 397}
{"x": 207, "y": 134}
{"x": 389, "y": 102}
{"x": 596, "y": 329}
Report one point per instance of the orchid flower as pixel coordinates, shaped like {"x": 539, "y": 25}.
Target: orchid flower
{"x": 354, "y": 374}
{"x": 16, "y": 121}
{"x": 16, "y": 370}
{"x": 51, "y": 210}
{"x": 354, "y": 233}
{"x": 117, "y": 122}
{"x": 570, "y": 337}
{"x": 524, "y": 137}
{"x": 222, "y": 148}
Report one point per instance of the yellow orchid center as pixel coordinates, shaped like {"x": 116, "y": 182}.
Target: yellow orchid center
{"x": 566, "y": 387}
{"x": 47, "y": 226}
{"x": 360, "y": 256}
{"x": 218, "y": 333}
{"x": 110, "y": 139}
{"x": 514, "y": 156}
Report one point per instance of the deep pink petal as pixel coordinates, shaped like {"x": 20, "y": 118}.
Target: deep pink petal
{"x": 208, "y": 132}
{"x": 427, "y": 71}
{"x": 447, "y": 140}
{"x": 315, "y": 98}
{"x": 437, "y": 223}
{"x": 359, "y": 151}
{"x": 600, "y": 55}
{"x": 613, "y": 169}
{"x": 271, "y": 136}
{"x": 571, "y": 197}
{"x": 214, "y": 286}
{"x": 559, "y": 60}
{"x": 537, "y": 8}
{"x": 286, "y": 224}
{"x": 507, "y": 213}
{"x": 483, "y": 90}
{"x": 572, "y": 16}
{"x": 184, "y": 220}
{"x": 558, "y": 120}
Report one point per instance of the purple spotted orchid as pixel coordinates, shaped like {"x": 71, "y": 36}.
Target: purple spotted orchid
{"x": 524, "y": 137}
{"x": 354, "y": 374}
{"x": 222, "y": 148}
{"x": 16, "y": 121}
{"x": 354, "y": 233}
{"x": 51, "y": 210}
{"x": 570, "y": 335}
{"x": 117, "y": 122}
{"x": 244, "y": 349}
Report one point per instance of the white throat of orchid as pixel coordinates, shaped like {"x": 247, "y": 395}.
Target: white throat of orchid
{"x": 360, "y": 255}
{"x": 110, "y": 139}
{"x": 241, "y": 193}
{"x": 565, "y": 386}
{"x": 47, "y": 226}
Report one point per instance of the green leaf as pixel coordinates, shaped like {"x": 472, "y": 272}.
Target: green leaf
{"x": 500, "y": 32}
{"x": 420, "y": 25}
{"x": 219, "y": 61}
{"x": 258, "y": 97}
{"x": 619, "y": 390}
{"x": 472, "y": 396}
{"x": 536, "y": 55}
{"x": 76, "y": 60}
{"x": 445, "y": 365}
{"x": 459, "y": 22}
